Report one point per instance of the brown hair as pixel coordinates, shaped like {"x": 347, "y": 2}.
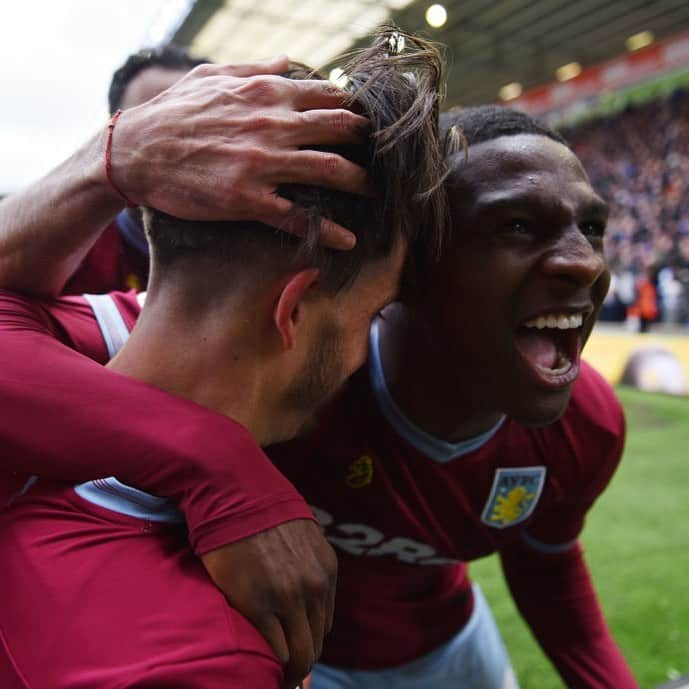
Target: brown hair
{"x": 397, "y": 83}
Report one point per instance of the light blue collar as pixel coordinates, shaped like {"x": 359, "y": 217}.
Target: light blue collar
{"x": 435, "y": 448}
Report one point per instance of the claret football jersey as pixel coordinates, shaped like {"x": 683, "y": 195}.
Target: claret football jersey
{"x": 406, "y": 511}
{"x": 101, "y": 585}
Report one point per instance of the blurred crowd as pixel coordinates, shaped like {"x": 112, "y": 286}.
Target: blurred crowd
{"x": 638, "y": 160}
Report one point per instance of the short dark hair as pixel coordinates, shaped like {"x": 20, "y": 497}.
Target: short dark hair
{"x": 168, "y": 56}
{"x": 400, "y": 93}
{"x": 487, "y": 122}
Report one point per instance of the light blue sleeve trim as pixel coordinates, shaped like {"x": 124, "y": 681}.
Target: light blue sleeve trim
{"x": 548, "y": 547}
{"x": 435, "y": 448}
{"x": 110, "y": 321}
{"x": 110, "y": 493}
{"x": 113, "y": 495}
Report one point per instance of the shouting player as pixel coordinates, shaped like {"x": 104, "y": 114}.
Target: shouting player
{"x": 248, "y": 324}
{"x": 475, "y": 428}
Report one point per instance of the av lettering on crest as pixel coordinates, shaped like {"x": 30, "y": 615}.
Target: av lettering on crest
{"x": 514, "y": 496}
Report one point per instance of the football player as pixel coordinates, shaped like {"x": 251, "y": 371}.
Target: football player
{"x": 240, "y": 321}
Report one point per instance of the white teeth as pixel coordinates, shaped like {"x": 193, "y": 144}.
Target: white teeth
{"x": 560, "y": 321}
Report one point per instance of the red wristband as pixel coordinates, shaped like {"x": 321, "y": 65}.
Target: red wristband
{"x": 108, "y": 163}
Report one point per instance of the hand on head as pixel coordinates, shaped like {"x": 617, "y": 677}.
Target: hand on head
{"x": 216, "y": 145}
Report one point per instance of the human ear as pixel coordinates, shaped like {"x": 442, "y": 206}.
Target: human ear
{"x": 288, "y": 310}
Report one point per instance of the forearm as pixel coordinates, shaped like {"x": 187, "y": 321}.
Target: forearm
{"x": 47, "y": 229}
{"x": 66, "y": 418}
{"x": 555, "y": 595}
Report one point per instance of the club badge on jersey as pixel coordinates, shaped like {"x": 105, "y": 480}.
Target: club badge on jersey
{"x": 360, "y": 472}
{"x": 514, "y": 496}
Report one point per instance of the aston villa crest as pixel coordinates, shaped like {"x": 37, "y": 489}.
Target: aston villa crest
{"x": 514, "y": 496}
{"x": 360, "y": 472}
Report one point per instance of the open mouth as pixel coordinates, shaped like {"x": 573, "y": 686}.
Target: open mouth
{"x": 550, "y": 344}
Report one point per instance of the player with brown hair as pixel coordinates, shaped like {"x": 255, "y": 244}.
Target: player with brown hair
{"x": 241, "y": 321}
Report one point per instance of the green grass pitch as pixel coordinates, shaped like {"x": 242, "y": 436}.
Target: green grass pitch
{"x": 637, "y": 545}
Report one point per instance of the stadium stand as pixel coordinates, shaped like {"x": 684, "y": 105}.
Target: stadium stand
{"x": 638, "y": 160}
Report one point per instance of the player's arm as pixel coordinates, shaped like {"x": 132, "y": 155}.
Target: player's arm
{"x": 68, "y": 418}
{"x": 215, "y": 146}
{"x": 554, "y": 593}
{"x": 550, "y": 582}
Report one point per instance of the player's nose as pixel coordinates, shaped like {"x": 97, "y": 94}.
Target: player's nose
{"x": 574, "y": 259}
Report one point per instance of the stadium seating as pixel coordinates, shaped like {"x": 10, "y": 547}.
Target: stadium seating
{"x": 638, "y": 160}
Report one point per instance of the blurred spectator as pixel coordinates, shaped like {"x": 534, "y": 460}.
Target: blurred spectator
{"x": 638, "y": 160}
{"x": 645, "y": 308}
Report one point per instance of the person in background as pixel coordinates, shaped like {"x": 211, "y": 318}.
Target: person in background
{"x": 644, "y": 310}
{"x": 644, "y": 178}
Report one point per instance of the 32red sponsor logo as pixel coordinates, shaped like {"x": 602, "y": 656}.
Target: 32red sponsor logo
{"x": 365, "y": 541}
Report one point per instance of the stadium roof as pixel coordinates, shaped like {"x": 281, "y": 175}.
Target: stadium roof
{"x": 490, "y": 44}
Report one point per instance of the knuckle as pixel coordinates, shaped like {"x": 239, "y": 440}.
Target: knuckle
{"x": 331, "y": 569}
{"x": 263, "y": 122}
{"x": 236, "y": 196}
{"x": 329, "y": 89}
{"x": 240, "y": 200}
{"x": 316, "y": 584}
{"x": 204, "y": 70}
{"x": 286, "y": 592}
{"x": 330, "y": 165}
{"x": 330, "y": 559}
{"x": 348, "y": 121}
{"x": 254, "y": 157}
{"x": 341, "y": 121}
{"x": 327, "y": 558}
{"x": 264, "y": 88}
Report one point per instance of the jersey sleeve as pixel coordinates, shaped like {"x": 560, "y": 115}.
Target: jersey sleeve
{"x": 546, "y": 571}
{"x": 555, "y": 595}
{"x": 67, "y": 418}
{"x": 111, "y": 264}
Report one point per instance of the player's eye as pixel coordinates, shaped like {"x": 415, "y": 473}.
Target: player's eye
{"x": 593, "y": 228}
{"x": 518, "y": 226}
